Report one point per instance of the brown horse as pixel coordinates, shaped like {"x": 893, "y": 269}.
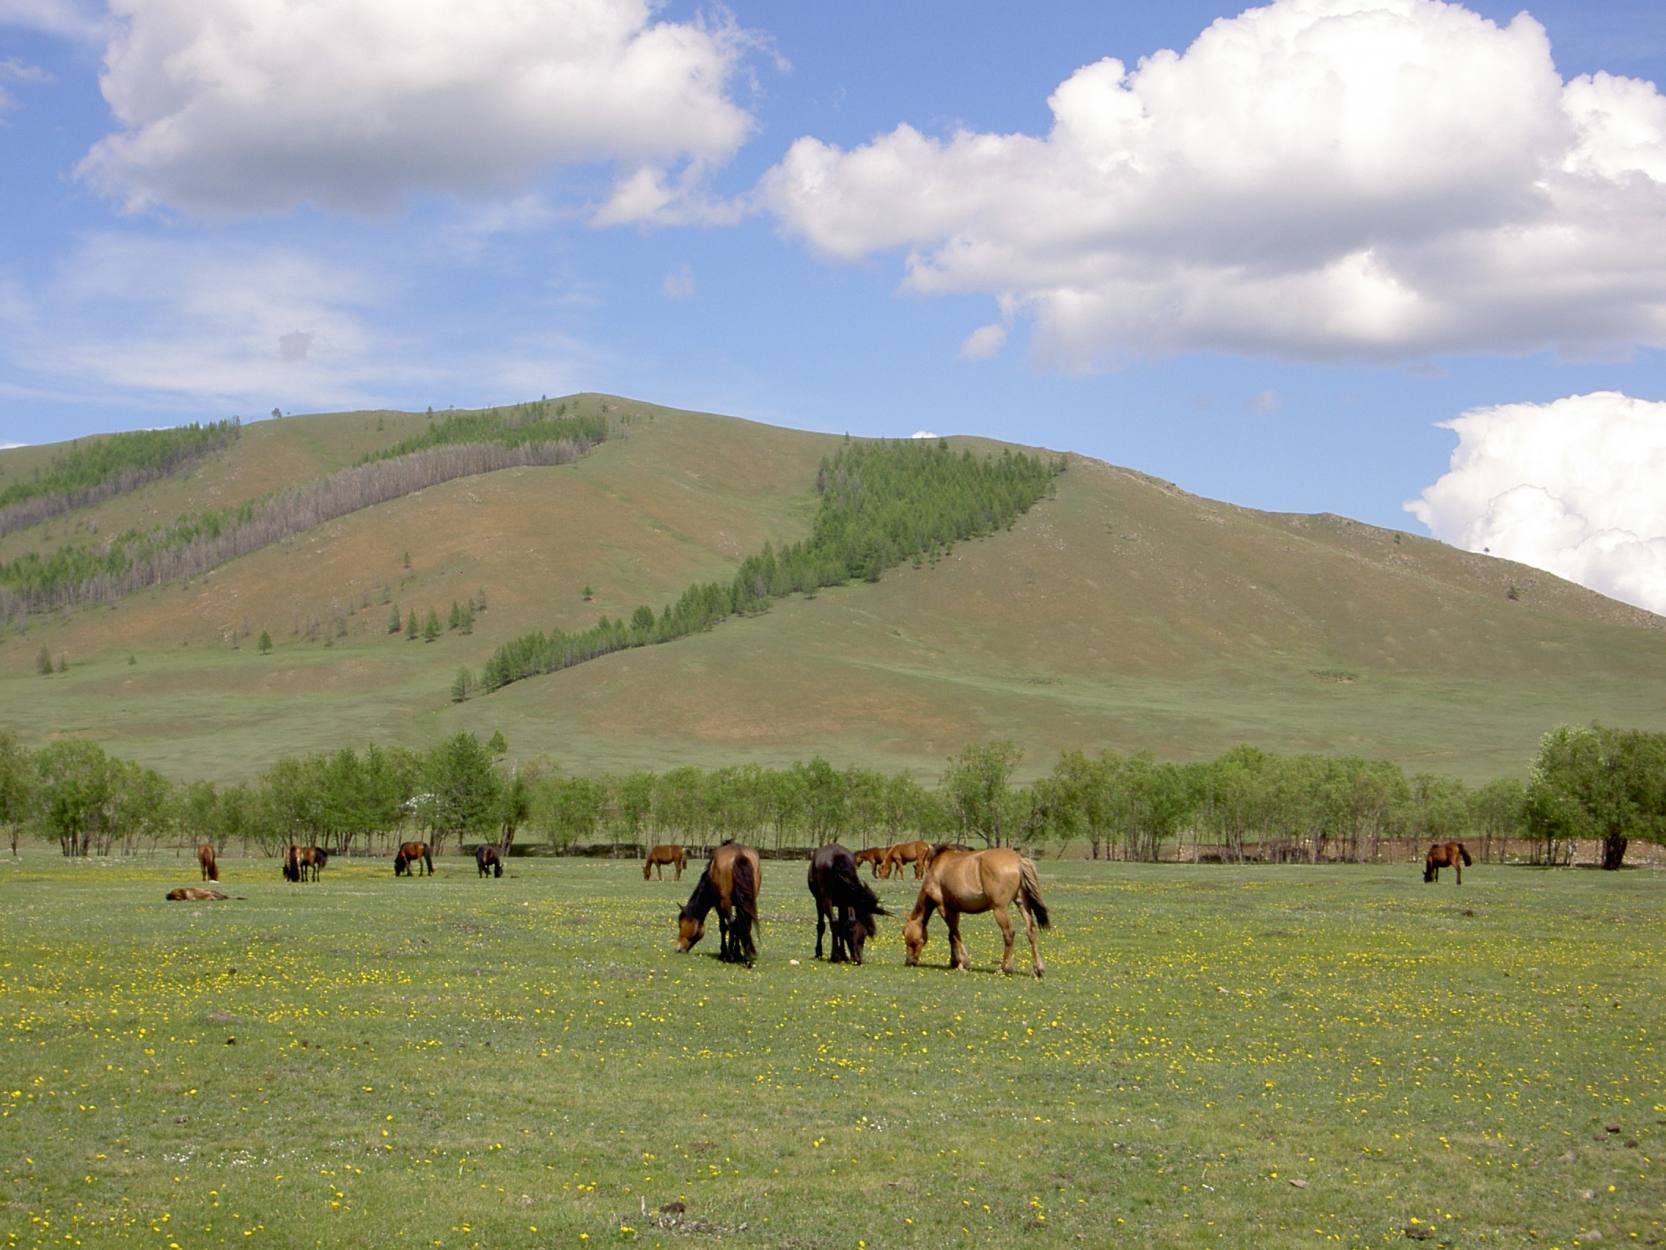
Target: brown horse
{"x": 192, "y": 894}
{"x": 1446, "y": 855}
{"x": 205, "y": 858}
{"x": 660, "y": 856}
{"x": 973, "y": 881}
{"x": 488, "y": 860}
{"x": 304, "y": 863}
{"x": 843, "y": 903}
{"x": 730, "y": 884}
{"x": 413, "y": 853}
{"x": 873, "y": 856}
{"x": 916, "y": 853}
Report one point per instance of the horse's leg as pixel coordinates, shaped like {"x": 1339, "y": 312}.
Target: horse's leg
{"x": 821, "y": 924}
{"x": 1036, "y": 966}
{"x": 957, "y": 948}
{"x": 1005, "y": 921}
{"x": 1458, "y": 867}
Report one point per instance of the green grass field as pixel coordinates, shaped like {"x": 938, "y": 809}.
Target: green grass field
{"x": 1218, "y": 1057}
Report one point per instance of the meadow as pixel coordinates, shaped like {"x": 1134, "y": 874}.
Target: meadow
{"x": 1218, "y": 1057}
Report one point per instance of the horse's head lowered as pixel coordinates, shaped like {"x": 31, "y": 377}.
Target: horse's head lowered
{"x": 690, "y": 929}
{"x": 914, "y": 938}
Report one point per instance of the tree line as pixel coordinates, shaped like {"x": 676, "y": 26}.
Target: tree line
{"x": 102, "y": 469}
{"x": 75, "y": 575}
{"x": 881, "y": 502}
{"x": 1587, "y": 782}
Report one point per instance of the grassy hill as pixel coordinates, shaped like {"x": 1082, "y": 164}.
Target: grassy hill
{"x": 1121, "y": 613}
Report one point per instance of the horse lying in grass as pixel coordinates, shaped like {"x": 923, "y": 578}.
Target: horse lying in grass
{"x": 193, "y": 894}
{"x": 1446, "y": 855}
{"x": 730, "y": 884}
{"x": 413, "y": 853}
{"x": 205, "y": 860}
{"x": 488, "y": 860}
{"x": 660, "y": 856}
{"x": 843, "y": 903}
{"x": 961, "y": 881}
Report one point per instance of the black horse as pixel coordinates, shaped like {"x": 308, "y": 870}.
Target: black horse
{"x": 488, "y": 860}
{"x": 843, "y": 903}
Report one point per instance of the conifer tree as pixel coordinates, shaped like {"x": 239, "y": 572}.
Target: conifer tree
{"x": 411, "y": 626}
{"x": 393, "y": 619}
{"x": 43, "y": 662}
{"x": 265, "y": 643}
{"x": 431, "y": 627}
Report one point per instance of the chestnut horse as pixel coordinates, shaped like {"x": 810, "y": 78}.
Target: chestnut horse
{"x": 488, "y": 860}
{"x": 1446, "y": 855}
{"x": 660, "y": 856}
{"x": 873, "y": 855}
{"x": 412, "y": 853}
{"x": 205, "y": 858}
{"x": 730, "y": 884}
{"x": 304, "y": 863}
{"x": 843, "y": 903}
{"x": 973, "y": 881}
{"x": 916, "y": 853}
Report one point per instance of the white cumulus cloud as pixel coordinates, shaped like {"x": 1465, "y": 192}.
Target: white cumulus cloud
{"x": 247, "y": 106}
{"x": 1313, "y": 179}
{"x": 1573, "y": 487}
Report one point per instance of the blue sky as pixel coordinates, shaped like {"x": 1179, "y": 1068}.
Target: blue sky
{"x": 1266, "y": 257}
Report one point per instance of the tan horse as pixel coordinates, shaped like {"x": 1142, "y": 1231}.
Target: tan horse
{"x": 205, "y": 858}
{"x": 1446, "y": 855}
{"x": 660, "y": 856}
{"x": 193, "y": 894}
{"x": 730, "y": 884}
{"x": 872, "y": 855}
{"x": 916, "y": 853}
{"x": 973, "y": 881}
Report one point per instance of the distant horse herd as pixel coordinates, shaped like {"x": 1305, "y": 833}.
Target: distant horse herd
{"x": 954, "y": 880}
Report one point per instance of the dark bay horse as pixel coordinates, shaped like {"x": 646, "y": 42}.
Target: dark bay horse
{"x": 972, "y": 881}
{"x": 304, "y": 863}
{"x": 488, "y": 860}
{"x": 1446, "y": 855}
{"x": 413, "y": 853}
{"x": 916, "y": 853}
{"x": 205, "y": 858}
{"x": 730, "y": 884}
{"x": 873, "y": 856}
{"x": 660, "y": 856}
{"x": 843, "y": 903}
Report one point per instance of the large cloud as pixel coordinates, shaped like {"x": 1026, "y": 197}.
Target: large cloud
{"x": 1318, "y": 179}
{"x": 1572, "y": 486}
{"x": 241, "y": 106}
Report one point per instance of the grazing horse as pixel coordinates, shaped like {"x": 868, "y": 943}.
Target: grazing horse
{"x": 488, "y": 860}
{"x": 916, "y": 853}
{"x": 843, "y": 903}
{"x": 205, "y": 858}
{"x": 873, "y": 856}
{"x": 412, "y": 853}
{"x": 730, "y": 884}
{"x": 192, "y": 894}
{"x": 660, "y": 856}
{"x": 304, "y": 863}
{"x": 1446, "y": 855}
{"x": 972, "y": 881}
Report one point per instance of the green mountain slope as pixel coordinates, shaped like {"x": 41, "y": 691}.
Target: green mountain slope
{"x": 1121, "y": 613}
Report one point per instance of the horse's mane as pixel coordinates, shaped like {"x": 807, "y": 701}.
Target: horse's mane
{"x": 702, "y": 900}
{"x": 857, "y": 893}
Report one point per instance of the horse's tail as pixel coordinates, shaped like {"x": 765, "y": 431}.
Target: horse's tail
{"x": 743, "y": 894}
{"x": 1465, "y": 854}
{"x": 1031, "y": 885}
{"x": 213, "y": 870}
{"x": 291, "y": 865}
